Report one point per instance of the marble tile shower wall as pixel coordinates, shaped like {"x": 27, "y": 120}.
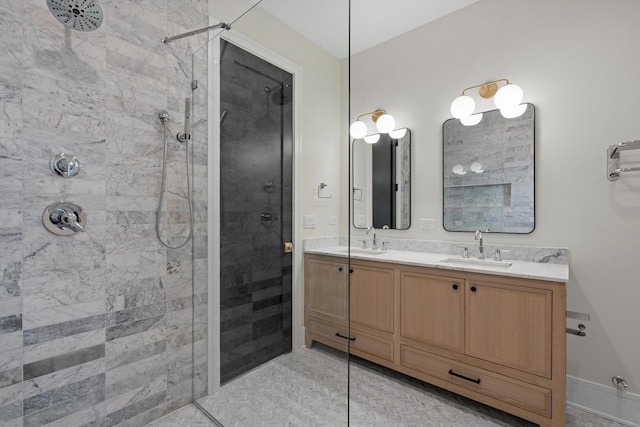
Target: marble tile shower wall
{"x": 96, "y": 328}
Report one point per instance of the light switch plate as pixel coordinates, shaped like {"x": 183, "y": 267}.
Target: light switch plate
{"x": 427, "y": 224}
{"x": 309, "y": 221}
{"x": 333, "y": 220}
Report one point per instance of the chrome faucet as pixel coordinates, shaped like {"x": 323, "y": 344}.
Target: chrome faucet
{"x": 375, "y": 244}
{"x": 66, "y": 218}
{"x": 479, "y": 239}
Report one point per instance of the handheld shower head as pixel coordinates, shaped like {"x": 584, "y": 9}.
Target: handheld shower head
{"x": 184, "y": 136}
{"x": 81, "y": 15}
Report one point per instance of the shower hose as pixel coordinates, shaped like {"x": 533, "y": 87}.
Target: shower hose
{"x": 164, "y": 175}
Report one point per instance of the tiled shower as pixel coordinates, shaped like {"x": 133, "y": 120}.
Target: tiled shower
{"x": 255, "y": 211}
{"x": 96, "y": 328}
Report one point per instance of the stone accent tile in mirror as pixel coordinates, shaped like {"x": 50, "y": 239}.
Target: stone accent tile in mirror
{"x": 488, "y": 173}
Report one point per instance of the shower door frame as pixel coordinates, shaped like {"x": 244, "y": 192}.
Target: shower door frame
{"x": 214, "y": 193}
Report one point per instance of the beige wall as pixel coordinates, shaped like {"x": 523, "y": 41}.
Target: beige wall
{"x": 577, "y": 63}
{"x": 575, "y": 60}
{"x": 322, "y": 118}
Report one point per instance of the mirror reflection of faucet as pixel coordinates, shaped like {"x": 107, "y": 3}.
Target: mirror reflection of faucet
{"x": 478, "y": 236}
{"x": 375, "y": 243}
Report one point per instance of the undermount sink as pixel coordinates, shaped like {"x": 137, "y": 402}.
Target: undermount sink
{"x": 360, "y": 251}
{"x": 476, "y": 262}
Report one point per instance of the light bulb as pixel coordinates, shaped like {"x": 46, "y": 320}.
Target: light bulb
{"x": 398, "y": 133}
{"x": 458, "y": 170}
{"x": 471, "y": 120}
{"x": 513, "y": 112}
{"x": 385, "y": 123}
{"x": 358, "y": 129}
{"x": 508, "y": 96}
{"x": 462, "y": 106}
{"x": 372, "y": 139}
{"x": 477, "y": 167}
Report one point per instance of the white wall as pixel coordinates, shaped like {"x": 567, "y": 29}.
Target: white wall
{"x": 322, "y": 117}
{"x": 578, "y": 63}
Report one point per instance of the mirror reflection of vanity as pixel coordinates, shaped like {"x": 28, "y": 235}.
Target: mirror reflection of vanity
{"x": 488, "y": 174}
{"x": 381, "y": 174}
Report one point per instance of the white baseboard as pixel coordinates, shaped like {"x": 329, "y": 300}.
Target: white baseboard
{"x": 607, "y": 402}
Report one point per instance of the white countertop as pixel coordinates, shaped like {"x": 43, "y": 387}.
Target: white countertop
{"x": 527, "y": 270}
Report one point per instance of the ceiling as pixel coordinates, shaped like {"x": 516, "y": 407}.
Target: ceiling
{"x": 325, "y": 22}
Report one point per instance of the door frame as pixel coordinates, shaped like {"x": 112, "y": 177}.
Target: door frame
{"x": 213, "y": 240}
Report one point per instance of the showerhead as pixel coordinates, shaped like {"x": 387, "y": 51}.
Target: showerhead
{"x": 81, "y": 15}
{"x": 281, "y": 95}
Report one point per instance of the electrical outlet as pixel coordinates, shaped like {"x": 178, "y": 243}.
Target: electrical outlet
{"x": 333, "y": 220}
{"x": 309, "y": 221}
{"x": 427, "y": 224}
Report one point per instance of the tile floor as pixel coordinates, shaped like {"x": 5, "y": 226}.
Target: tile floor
{"x": 308, "y": 388}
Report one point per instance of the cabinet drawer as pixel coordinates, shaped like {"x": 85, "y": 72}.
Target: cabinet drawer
{"x": 517, "y": 393}
{"x": 373, "y": 345}
{"x": 327, "y": 331}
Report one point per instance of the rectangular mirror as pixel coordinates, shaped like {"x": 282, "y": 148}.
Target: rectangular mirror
{"x": 381, "y": 176}
{"x": 488, "y": 173}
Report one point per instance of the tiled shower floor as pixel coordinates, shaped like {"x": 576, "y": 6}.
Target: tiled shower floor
{"x": 309, "y": 388}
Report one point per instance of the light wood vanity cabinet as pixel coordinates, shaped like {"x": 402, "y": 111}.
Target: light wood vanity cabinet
{"x": 495, "y": 339}
{"x": 510, "y": 325}
{"x": 372, "y": 306}
{"x": 432, "y": 310}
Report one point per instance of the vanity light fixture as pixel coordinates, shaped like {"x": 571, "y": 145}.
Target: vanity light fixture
{"x": 385, "y": 123}
{"x": 507, "y": 98}
{"x": 460, "y": 170}
{"x": 372, "y": 139}
{"x": 398, "y": 133}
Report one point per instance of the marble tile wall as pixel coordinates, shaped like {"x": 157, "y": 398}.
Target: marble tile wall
{"x": 96, "y": 328}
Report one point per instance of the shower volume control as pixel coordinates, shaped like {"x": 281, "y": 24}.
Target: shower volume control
{"x": 65, "y": 165}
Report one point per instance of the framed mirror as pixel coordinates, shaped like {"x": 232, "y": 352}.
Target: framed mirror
{"x": 488, "y": 174}
{"x": 381, "y": 177}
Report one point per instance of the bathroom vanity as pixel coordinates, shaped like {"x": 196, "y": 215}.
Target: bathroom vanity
{"x": 494, "y": 333}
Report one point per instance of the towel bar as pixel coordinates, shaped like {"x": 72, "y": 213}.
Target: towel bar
{"x": 613, "y": 158}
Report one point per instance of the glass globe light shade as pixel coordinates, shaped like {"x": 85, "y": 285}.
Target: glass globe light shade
{"x": 508, "y": 96}
{"x": 458, "y": 170}
{"x": 471, "y": 120}
{"x": 358, "y": 129}
{"x": 385, "y": 123}
{"x": 372, "y": 139}
{"x": 462, "y": 106}
{"x": 398, "y": 133}
{"x": 513, "y": 112}
{"x": 477, "y": 167}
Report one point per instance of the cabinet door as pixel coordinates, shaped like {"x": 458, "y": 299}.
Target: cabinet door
{"x": 510, "y": 325}
{"x": 372, "y": 297}
{"x": 327, "y": 289}
{"x": 432, "y": 310}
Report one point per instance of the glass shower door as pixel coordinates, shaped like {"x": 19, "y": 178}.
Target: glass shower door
{"x": 256, "y": 124}
{"x": 250, "y": 365}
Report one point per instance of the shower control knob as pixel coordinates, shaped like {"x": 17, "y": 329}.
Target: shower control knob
{"x": 64, "y": 218}
{"x": 65, "y": 165}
